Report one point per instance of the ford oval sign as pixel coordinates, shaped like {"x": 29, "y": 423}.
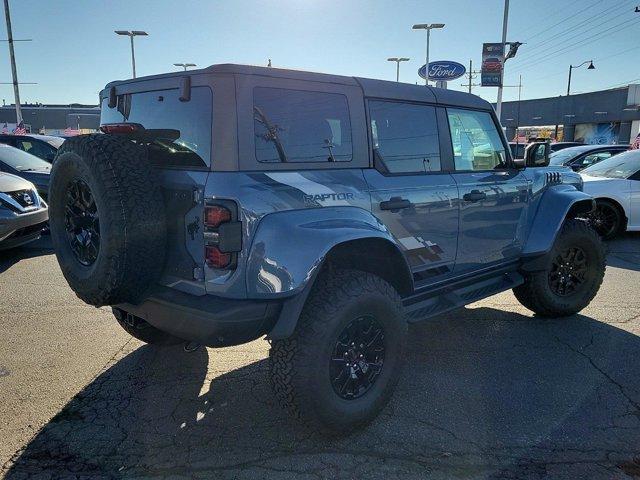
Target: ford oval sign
{"x": 443, "y": 70}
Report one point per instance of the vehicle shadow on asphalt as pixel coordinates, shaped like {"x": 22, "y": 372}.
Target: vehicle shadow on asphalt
{"x": 624, "y": 251}
{"x": 36, "y": 249}
{"x": 485, "y": 394}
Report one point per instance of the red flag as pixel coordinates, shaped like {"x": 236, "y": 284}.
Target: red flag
{"x": 20, "y": 130}
{"x": 636, "y": 144}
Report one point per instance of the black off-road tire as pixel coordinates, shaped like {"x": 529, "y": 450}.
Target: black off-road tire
{"x": 130, "y": 211}
{"x": 299, "y": 366}
{"x": 143, "y": 330}
{"x": 537, "y": 294}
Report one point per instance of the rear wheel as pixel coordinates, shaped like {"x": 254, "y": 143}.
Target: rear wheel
{"x": 571, "y": 275}
{"x": 340, "y": 367}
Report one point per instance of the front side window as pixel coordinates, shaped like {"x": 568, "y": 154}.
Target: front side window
{"x": 37, "y": 148}
{"x": 177, "y": 133}
{"x": 301, "y": 126}
{"x": 405, "y": 137}
{"x": 476, "y": 141}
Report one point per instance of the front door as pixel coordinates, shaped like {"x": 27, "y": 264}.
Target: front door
{"x": 410, "y": 191}
{"x": 493, "y": 195}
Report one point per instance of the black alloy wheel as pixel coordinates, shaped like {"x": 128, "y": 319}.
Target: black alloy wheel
{"x": 605, "y": 220}
{"x": 357, "y": 358}
{"x": 568, "y": 271}
{"x": 82, "y": 223}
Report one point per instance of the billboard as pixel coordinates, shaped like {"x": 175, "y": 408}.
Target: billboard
{"x": 492, "y": 62}
{"x": 597, "y": 133}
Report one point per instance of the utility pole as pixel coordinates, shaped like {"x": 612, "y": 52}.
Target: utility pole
{"x": 471, "y": 74}
{"x": 12, "y": 55}
{"x": 504, "y": 42}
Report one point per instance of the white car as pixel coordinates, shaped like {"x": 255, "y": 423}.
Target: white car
{"x": 615, "y": 184}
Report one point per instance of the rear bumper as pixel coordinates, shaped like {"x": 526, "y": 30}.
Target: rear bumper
{"x": 207, "y": 319}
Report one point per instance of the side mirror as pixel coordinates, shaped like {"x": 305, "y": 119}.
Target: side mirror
{"x": 519, "y": 163}
{"x": 537, "y": 154}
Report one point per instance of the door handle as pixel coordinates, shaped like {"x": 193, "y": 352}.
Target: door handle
{"x": 474, "y": 196}
{"x": 395, "y": 203}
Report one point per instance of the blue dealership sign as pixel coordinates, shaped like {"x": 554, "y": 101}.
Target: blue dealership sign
{"x": 443, "y": 70}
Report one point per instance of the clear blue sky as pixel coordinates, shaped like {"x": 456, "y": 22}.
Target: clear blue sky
{"x": 74, "y": 51}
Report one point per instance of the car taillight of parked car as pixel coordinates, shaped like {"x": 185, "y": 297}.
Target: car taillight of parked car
{"x": 222, "y": 234}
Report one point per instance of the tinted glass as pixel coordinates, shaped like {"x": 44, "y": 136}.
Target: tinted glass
{"x": 619, "y": 166}
{"x": 37, "y": 148}
{"x": 405, "y": 137}
{"x": 476, "y": 141}
{"x": 299, "y": 126}
{"x": 178, "y": 133}
{"x": 593, "y": 158}
{"x": 21, "y": 161}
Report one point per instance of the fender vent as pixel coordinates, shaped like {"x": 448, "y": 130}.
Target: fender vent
{"x": 553, "y": 178}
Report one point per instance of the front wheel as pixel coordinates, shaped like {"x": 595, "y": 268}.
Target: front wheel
{"x": 571, "y": 276}
{"x": 607, "y": 219}
{"x": 340, "y": 367}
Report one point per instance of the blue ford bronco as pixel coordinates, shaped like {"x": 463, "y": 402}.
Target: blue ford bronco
{"x": 324, "y": 212}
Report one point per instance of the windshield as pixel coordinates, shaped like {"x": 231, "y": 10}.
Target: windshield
{"x": 21, "y": 161}
{"x": 621, "y": 166}
{"x": 566, "y": 154}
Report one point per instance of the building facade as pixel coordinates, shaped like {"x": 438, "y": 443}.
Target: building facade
{"x": 606, "y": 116}
{"x": 53, "y": 119}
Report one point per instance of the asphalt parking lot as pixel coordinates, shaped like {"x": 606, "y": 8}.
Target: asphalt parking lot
{"x": 488, "y": 392}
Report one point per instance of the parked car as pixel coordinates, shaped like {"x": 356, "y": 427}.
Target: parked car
{"x": 557, "y": 146}
{"x": 615, "y": 184}
{"x": 27, "y": 166}
{"x": 43, "y": 146}
{"x": 583, "y": 156}
{"x": 327, "y": 214}
{"x": 23, "y": 214}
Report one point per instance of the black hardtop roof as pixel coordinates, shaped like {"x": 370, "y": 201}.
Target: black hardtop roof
{"x": 370, "y": 87}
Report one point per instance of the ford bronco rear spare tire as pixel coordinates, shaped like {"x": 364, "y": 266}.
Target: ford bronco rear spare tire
{"x": 107, "y": 218}
{"x": 571, "y": 275}
{"x": 340, "y": 367}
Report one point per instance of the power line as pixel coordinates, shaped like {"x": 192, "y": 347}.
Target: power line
{"x": 595, "y": 17}
{"x": 562, "y": 21}
{"x": 578, "y": 44}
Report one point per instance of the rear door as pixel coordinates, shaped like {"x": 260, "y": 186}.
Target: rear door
{"x": 412, "y": 192}
{"x": 493, "y": 194}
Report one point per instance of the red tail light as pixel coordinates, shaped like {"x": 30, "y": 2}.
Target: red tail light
{"x": 215, "y": 258}
{"x": 215, "y": 215}
{"x": 121, "y": 128}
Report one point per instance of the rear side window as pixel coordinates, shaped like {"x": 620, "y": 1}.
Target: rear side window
{"x": 405, "y": 137}
{"x": 301, "y": 126}
{"x": 177, "y": 133}
{"x": 476, "y": 141}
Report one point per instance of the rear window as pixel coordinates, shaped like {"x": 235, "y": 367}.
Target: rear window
{"x": 179, "y": 133}
{"x": 301, "y": 126}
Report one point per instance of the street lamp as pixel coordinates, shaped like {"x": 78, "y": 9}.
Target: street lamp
{"x": 185, "y": 65}
{"x": 571, "y": 67}
{"x": 428, "y": 27}
{"x": 131, "y": 34}
{"x": 398, "y": 60}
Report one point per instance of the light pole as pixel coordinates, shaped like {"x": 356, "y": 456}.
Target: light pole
{"x": 505, "y": 21}
{"x": 185, "y": 65}
{"x": 398, "y": 60}
{"x": 571, "y": 67}
{"x": 428, "y": 27}
{"x": 131, "y": 34}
